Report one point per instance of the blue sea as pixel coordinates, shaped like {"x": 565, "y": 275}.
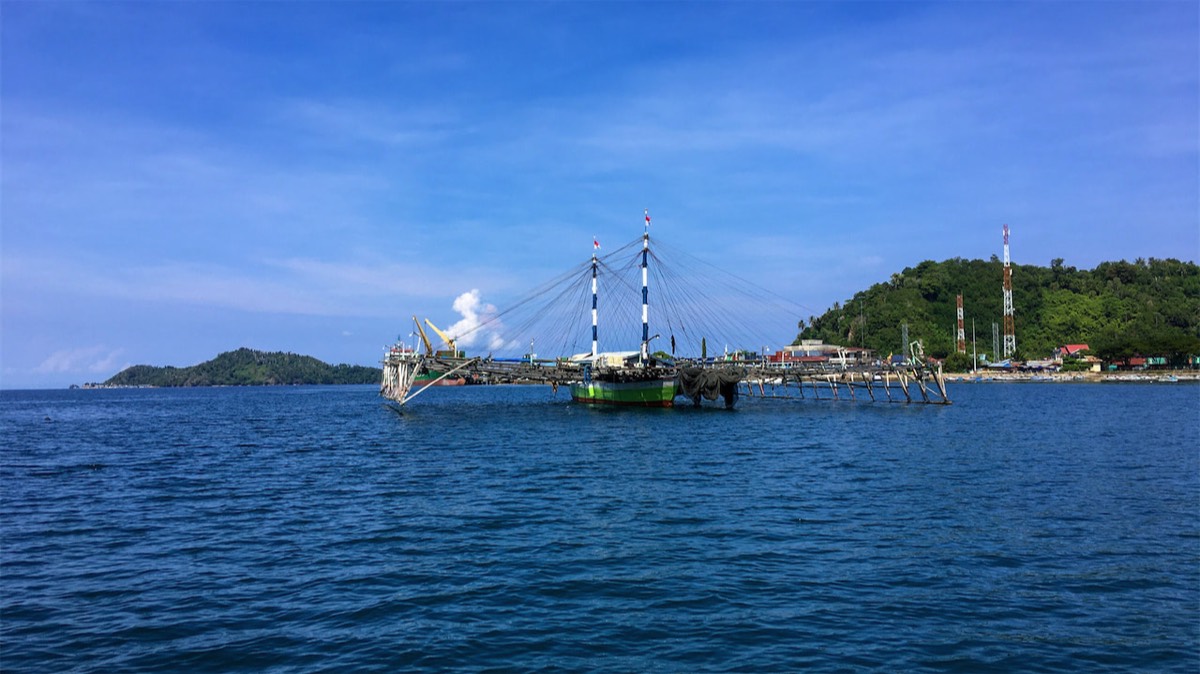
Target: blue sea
{"x": 1026, "y": 527}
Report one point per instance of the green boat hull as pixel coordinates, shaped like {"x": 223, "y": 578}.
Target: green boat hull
{"x": 652, "y": 393}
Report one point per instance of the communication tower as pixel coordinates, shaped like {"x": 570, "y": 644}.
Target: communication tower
{"x": 962, "y": 333}
{"x": 1010, "y": 330}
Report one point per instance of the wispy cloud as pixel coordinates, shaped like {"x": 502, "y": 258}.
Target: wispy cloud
{"x": 365, "y": 121}
{"x": 89, "y": 359}
{"x": 155, "y": 184}
{"x": 363, "y": 288}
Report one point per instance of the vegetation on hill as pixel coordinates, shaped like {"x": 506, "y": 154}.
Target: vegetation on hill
{"x": 247, "y": 367}
{"x": 1120, "y": 309}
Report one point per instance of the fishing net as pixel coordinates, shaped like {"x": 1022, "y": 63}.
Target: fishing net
{"x": 710, "y": 383}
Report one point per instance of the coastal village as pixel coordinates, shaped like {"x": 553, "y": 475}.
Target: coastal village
{"x": 1069, "y": 363}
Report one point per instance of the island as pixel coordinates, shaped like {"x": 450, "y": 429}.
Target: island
{"x": 244, "y": 367}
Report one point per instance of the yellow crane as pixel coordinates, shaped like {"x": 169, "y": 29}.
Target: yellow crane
{"x": 424, "y": 339}
{"x": 449, "y": 340}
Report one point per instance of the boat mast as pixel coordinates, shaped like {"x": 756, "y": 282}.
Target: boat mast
{"x": 595, "y": 246}
{"x": 645, "y": 290}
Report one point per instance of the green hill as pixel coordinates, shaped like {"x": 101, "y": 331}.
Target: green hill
{"x": 247, "y": 367}
{"x": 1146, "y": 307}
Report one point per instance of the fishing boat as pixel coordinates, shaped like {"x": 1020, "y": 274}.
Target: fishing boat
{"x": 626, "y": 373}
{"x": 624, "y": 379}
{"x": 630, "y": 378}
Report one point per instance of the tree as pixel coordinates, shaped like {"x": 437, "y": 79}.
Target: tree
{"x": 957, "y": 362}
{"x": 1120, "y": 305}
{"x": 247, "y": 367}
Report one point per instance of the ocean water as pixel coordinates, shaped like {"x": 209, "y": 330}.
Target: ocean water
{"x": 1027, "y": 527}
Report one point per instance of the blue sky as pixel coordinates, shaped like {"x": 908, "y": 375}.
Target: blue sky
{"x": 181, "y": 179}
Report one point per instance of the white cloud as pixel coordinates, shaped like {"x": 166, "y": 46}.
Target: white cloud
{"x": 478, "y": 321}
{"x": 301, "y": 286}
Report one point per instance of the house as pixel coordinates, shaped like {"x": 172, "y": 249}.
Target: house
{"x": 1069, "y": 351}
{"x": 788, "y": 358}
{"x": 1140, "y": 363}
{"x": 816, "y": 348}
{"x": 1131, "y": 363}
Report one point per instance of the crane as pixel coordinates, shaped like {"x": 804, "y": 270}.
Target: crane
{"x": 449, "y": 340}
{"x": 424, "y": 338}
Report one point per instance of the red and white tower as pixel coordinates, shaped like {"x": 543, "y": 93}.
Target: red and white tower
{"x": 962, "y": 333}
{"x": 1010, "y": 330}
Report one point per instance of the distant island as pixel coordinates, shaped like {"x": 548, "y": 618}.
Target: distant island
{"x": 245, "y": 367}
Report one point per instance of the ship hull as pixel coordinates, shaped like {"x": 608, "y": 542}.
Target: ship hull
{"x": 652, "y": 393}
{"x": 423, "y": 380}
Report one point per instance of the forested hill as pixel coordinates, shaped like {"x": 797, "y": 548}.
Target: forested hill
{"x": 1146, "y": 307}
{"x": 247, "y": 367}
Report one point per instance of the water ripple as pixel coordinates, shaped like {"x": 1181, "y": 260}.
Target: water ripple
{"x": 502, "y": 529}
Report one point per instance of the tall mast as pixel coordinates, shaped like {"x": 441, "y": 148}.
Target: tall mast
{"x": 961, "y": 334}
{"x": 595, "y": 246}
{"x": 645, "y": 290}
{"x": 974, "y": 352}
{"x": 1010, "y": 331}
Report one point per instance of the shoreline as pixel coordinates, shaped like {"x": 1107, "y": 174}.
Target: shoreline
{"x": 1161, "y": 376}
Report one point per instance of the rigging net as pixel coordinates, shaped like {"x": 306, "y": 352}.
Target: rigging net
{"x": 694, "y": 306}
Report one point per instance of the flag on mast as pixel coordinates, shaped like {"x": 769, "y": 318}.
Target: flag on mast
{"x": 647, "y": 218}
{"x": 595, "y": 243}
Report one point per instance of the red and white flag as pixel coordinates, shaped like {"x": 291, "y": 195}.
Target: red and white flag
{"x": 647, "y": 217}
{"x": 595, "y": 244}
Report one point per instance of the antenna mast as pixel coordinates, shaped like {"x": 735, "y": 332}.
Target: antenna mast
{"x": 962, "y": 334}
{"x": 1010, "y": 330}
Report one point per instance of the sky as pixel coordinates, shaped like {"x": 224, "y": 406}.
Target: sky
{"x": 179, "y": 179}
